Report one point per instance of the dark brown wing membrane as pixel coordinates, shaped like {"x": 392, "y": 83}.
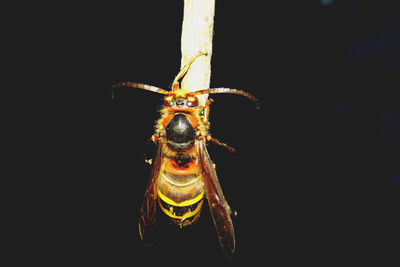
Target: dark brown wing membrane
{"x": 219, "y": 208}
{"x": 149, "y": 206}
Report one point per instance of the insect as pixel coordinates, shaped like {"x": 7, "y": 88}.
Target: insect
{"x": 183, "y": 174}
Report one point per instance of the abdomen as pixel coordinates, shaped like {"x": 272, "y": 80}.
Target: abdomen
{"x": 180, "y": 191}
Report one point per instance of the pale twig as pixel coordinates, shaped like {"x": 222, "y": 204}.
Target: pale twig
{"x": 197, "y": 35}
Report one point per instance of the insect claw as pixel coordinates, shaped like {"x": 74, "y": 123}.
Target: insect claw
{"x": 153, "y": 138}
{"x": 234, "y": 213}
{"x": 147, "y": 160}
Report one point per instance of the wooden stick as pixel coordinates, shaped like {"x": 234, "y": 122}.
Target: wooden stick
{"x": 197, "y": 33}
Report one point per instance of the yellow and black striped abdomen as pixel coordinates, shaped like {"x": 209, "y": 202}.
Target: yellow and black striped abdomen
{"x": 181, "y": 192}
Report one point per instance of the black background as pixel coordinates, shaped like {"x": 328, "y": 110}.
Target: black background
{"x": 311, "y": 185}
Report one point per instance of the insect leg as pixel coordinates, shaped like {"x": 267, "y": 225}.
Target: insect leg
{"x": 217, "y": 142}
{"x": 184, "y": 70}
{"x": 206, "y": 110}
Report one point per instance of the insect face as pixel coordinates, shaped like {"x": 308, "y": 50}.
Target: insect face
{"x": 181, "y": 99}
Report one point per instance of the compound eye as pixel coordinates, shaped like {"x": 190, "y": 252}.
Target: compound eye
{"x": 168, "y": 101}
{"x": 192, "y": 101}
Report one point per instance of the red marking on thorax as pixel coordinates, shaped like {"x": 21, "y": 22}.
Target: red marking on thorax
{"x": 189, "y": 168}
{"x": 167, "y": 119}
{"x": 183, "y": 110}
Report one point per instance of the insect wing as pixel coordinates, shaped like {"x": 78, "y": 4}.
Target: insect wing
{"x": 220, "y": 210}
{"x": 149, "y": 205}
